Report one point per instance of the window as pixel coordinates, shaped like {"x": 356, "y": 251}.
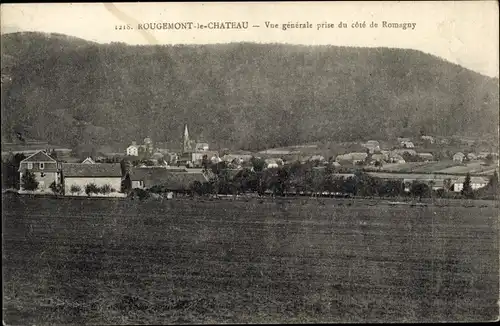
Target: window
{"x": 30, "y": 166}
{"x": 42, "y": 166}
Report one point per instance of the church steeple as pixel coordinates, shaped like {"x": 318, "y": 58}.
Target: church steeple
{"x": 186, "y": 142}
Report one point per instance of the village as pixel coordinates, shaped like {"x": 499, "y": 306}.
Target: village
{"x": 426, "y": 160}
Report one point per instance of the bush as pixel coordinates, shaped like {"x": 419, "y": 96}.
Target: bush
{"x": 106, "y": 189}
{"x": 91, "y": 188}
{"x": 141, "y": 193}
{"x": 75, "y": 189}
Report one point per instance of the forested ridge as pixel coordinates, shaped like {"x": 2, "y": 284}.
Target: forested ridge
{"x": 241, "y": 95}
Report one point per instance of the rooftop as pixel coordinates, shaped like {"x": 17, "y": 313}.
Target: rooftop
{"x": 91, "y": 170}
{"x": 39, "y": 156}
{"x": 170, "y": 180}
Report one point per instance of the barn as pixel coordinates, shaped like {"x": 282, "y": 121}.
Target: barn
{"x": 76, "y": 176}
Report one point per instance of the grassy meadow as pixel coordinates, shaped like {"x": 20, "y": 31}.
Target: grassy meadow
{"x": 115, "y": 261}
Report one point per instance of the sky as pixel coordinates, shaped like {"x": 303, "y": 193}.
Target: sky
{"x": 462, "y": 32}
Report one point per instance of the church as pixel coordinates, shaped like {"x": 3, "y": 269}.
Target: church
{"x": 193, "y": 152}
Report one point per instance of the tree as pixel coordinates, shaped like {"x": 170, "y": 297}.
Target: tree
{"x": 391, "y": 188}
{"x": 258, "y": 164}
{"x": 493, "y": 183}
{"x": 53, "y": 154}
{"x": 467, "y": 187}
{"x": 488, "y": 159}
{"x": 57, "y": 189}
{"x": 217, "y": 168}
{"x": 10, "y": 171}
{"x": 29, "y": 181}
{"x": 420, "y": 189}
{"x": 74, "y": 189}
{"x": 349, "y": 186}
{"x": 447, "y": 184}
{"x": 205, "y": 162}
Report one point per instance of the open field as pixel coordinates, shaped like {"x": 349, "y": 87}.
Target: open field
{"x": 103, "y": 261}
{"x": 433, "y": 166}
{"x": 442, "y": 167}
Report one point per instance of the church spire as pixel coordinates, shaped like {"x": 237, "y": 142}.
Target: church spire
{"x": 186, "y": 143}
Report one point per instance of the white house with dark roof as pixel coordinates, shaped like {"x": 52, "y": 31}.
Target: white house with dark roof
{"x": 407, "y": 144}
{"x": 80, "y": 175}
{"x": 44, "y": 168}
{"x": 427, "y": 157}
{"x": 475, "y": 183}
{"x": 459, "y": 157}
{"x": 352, "y": 157}
{"x": 132, "y": 150}
{"x": 201, "y": 147}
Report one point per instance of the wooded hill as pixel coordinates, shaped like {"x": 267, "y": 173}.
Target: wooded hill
{"x": 70, "y": 91}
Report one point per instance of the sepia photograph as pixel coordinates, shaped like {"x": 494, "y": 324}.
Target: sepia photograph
{"x": 250, "y": 162}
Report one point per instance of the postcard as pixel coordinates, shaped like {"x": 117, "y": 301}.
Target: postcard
{"x": 239, "y": 162}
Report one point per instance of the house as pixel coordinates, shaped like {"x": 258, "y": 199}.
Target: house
{"x": 396, "y": 158}
{"x": 401, "y": 152}
{"x": 459, "y": 157}
{"x": 78, "y": 176}
{"x": 336, "y": 164}
{"x": 351, "y": 157}
{"x": 242, "y": 157}
{"x": 88, "y": 160}
{"x": 168, "y": 180}
{"x": 215, "y": 159}
{"x": 272, "y": 163}
{"x": 380, "y": 157}
{"x": 475, "y": 182}
{"x": 403, "y": 139}
{"x": 236, "y": 163}
{"x": 157, "y": 156}
{"x": 171, "y": 158}
{"x": 197, "y": 157}
{"x": 44, "y": 168}
{"x": 319, "y": 158}
{"x": 471, "y": 156}
{"x": 407, "y": 144}
{"x": 200, "y": 147}
{"x": 133, "y": 149}
{"x": 484, "y": 155}
{"x": 427, "y": 157}
{"x": 144, "y": 177}
{"x": 444, "y": 141}
{"x": 181, "y": 182}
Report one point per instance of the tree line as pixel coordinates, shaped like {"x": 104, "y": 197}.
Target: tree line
{"x": 299, "y": 179}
